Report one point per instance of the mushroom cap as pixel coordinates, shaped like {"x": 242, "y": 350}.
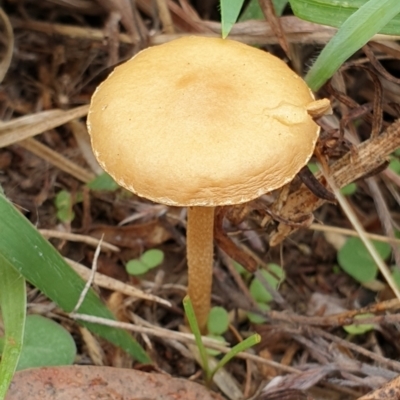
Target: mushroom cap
{"x": 202, "y": 122}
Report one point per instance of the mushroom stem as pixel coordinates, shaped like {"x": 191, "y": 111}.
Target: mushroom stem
{"x": 200, "y": 249}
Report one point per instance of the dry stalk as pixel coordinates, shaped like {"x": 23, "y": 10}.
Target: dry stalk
{"x": 74, "y": 237}
{"x": 353, "y": 233}
{"x": 18, "y": 129}
{"x": 106, "y": 282}
{"x": 6, "y": 61}
{"x": 366, "y": 158}
{"x": 251, "y": 32}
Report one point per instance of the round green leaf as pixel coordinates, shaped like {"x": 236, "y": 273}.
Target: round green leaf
{"x": 276, "y": 276}
{"x": 396, "y": 275}
{"x": 354, "y": 258}
{"x": 257, "y": 318}
{"x": 349, "y": 189}
{"x": 313, "y": 167}
{"x": 361, "y": 328}
{"x": 212, "y": 352}
{"x": 152, "y": 258}
{"x": 395, "y": 165}
{"x": 246, "y": 275}
{"x": 136, "y": 267}
{"x": 103, "y": 182}
{"x": 239, "y": 268}
{"x": 46, "y": 343}
{"x": 218, "y": 321}
{"x": 63, "y": 203}
{"x": 257, "y": 289}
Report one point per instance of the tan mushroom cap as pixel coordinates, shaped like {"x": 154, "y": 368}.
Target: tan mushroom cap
{"x": 202, "y": 122}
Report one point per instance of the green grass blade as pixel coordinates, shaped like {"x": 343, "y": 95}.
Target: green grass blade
{"x": 13, "y": 311}
{"x": 335, "y": 13}
{"x": 40, "y": 263}
{"x": 279, "y": 6}
{"x": 191, "y": 317}
{"x": 230, "y": 10}
{"x": 242, "y": 346}
{"x": 253, "y": 10}
{"x": 355, "y": 32}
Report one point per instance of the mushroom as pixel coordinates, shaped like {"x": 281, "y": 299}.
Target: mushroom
{"x": 202, "y": 122}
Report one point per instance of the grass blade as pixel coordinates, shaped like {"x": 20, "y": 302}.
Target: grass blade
{"x": 242, "y": 346}
{"x": 358, "y": 227}
{"x": 13, "y": 310}
{"x": 230, "y": 10}
{"x": 40, "y": 263}
{"x": 253, "y": 10}
{"x": 191, "y": 317}
{"x": 355, "y": 32}
{"x": 335, "y": 13}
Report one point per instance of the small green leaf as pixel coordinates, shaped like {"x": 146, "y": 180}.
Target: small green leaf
{"x": 359, "y": 329}
{"x": 395, "y": 165}
{"x": 46, "y": 343}
{"x": 277, "y": 275}
{"x": 212, "y": 352}
{"x": 246, "y": 275}
{"x": 218, "y": 321}
{"x": 354, "y": 259}
{"x": 256, "y": 318}
{"x": 239, "y": 268}
{"x": 103, "y": 182}
{"x": 152, "y": 258}
{"x": 313, "y": 167}
{"x": 230, "y": 10}
{"x": 396, "y": 275}
{"x": 136, "y": 267}
{"x": 257, "y": 289}
{"x": 349, "y": 189}
{"x": 63, "y": 203}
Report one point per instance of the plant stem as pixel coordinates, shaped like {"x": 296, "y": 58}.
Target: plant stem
{"x": 199, "y": 234}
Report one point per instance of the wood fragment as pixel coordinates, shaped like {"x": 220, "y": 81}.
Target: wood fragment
{"x": 369, "y": 156}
